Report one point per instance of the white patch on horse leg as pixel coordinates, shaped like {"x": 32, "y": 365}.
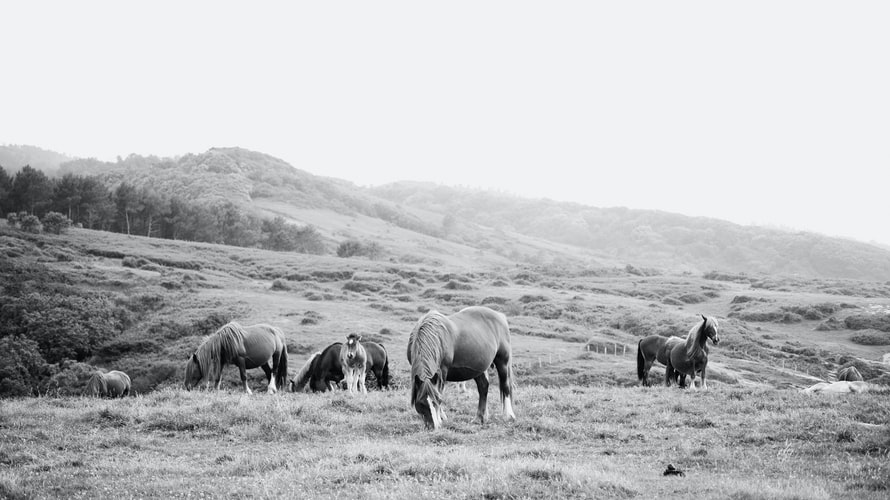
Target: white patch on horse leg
{"x": 361, "y": 384}
{"x": 272, "y": 388}
{"x": 508, "y": 408}
{"x": 247, "y": 389}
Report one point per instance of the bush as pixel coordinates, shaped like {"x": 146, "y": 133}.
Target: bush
{"x": 871, "y": 337}
{"x": 12, "y": 219}
{"x": 22, "y": 367}
{"x": 31, "y": 224}
{"x": 353, "y": 248}
{"x": 879, "y": 322}
{"x": 56, "y": 223}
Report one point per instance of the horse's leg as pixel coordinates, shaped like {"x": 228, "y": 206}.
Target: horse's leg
{"x": 704, "y": 370}
{"x": 242, "y": 370}
{"x": 482, "y": 385}
{"x": 270, "y": 379}
{"x": 361, "y": 381}
{"x": 668, "y": 373}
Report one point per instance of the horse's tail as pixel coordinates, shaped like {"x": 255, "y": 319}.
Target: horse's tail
{"x": 305, "y": 373}
{"x": 281, "y": 373}
{"x": 97, "y": 385}
{"x": 641, "y": 361}
{"x": 384, "y": 374}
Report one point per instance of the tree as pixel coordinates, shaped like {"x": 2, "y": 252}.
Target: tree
{"x": 96, "y": 209}
{"x": 125, "y": 201}
{"x": 66, "y": 194}
{"x": 21, "y": 366}
{"x": 31, "y": 189}
{"x": 5, "y": 191}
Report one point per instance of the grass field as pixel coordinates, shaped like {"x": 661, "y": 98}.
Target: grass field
{"x": 584, "y": 428}
{"x": 571, "y": 442}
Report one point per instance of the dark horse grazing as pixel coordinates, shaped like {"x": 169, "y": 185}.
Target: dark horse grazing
{"x": 114, "y": 384}
{"x": 247, "y": 347}
{"x": 322, "y": 371}
{"x": 651, "y": 349}
{"x": 454, "y": 348}
{"x": 691, "y": 357}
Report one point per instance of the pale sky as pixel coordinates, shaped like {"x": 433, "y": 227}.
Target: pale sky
{"x": 769, "y": 112}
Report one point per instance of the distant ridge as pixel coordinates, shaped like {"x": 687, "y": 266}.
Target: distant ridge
{"x": 509, "y": 225}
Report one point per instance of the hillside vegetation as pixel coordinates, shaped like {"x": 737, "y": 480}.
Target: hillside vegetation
{"x": 87, "y": 299}
{"x": 528, "y": 231}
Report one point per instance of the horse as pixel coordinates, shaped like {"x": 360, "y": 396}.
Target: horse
{"x": 114, "y": 384}
{"x": 691, "y": 357}
{"x": 839, "y": 387}
{"x": 377, "y": 363}
{"x": 454, "y": 348}
{"x": 353, "y": 359}
{"x": 322, "y": 372}
{"x": 247, "y": 347}
{"x": 655, "y": 348}
{"x": 850, "y": 374}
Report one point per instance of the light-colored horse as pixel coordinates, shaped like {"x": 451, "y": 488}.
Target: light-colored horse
{"x": 840, "y": 387}
{"x": 454, "y": 348}
{"x": 247, "y": 347}
{"x": 353, "y": 359}
{"x": 114, "y": 384}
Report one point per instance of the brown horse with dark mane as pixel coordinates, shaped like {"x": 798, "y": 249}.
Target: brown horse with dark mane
{"x": 691, "y": 358}
{"x": 247, "y": 347}
{"x": 651, "y": 349}
{"x": 458, "y": 347}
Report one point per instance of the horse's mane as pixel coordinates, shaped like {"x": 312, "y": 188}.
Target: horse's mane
{"x": 305, "y": 372}
{"x": 219, "y": 348}
{"x": 694, "y": 344}
{"x": 426, "y": 353}
{"x": 97, "y": 384}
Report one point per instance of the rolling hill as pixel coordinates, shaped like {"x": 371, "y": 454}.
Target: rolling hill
{"x": 462, "y": 224}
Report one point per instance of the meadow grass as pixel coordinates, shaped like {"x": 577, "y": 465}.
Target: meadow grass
{"x": 571, "y": 442}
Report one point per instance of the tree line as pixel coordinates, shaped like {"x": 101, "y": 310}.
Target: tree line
{"x": 124, "y": 208}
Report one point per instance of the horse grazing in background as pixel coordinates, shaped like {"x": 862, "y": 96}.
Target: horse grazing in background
{"x": 322, "y": 371}
{"x": 114, "y": 384}
{"x": 353, "y": 360}
{"x": 839, "y": 387}
{"x": 247, "y": 347}
{"x": 691, "y": 357}
{"x": 455, "y": 348}
{"x": 655, "y": 348}
{"x": 849, "y": 374}
{"x": 377, "y": 362}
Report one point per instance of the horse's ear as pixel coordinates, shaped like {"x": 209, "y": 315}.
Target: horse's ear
{"x": 703, "y": 316}
{"x": 435, "y": 379}
{"x": 359, "y": 339}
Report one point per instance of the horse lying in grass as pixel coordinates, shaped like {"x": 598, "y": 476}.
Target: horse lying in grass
{"x": 114, "y": 384}
{"x": 247, "y": 347}
{"x": 691, "y": 358}
{"x": 455, "y": 348}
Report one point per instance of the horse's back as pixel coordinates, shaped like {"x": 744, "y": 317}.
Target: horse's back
{"x": 118, "y": 383}
{"x": 375, "y": 354}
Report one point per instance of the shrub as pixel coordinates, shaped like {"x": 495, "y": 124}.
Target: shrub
{"x": 280, "y": 285}
{"x": 56, "y": 223}
{"x": 353, "y": 248}
{"x": 871, "y": 337}
{"x": 31, "y": 224}
{"x": 12, "y": 219}
{"x": 868, "y": 321}
{"x": 21, "y": 366}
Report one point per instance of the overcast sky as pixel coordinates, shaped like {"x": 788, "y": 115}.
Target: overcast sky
{"x": 773, "y": 112}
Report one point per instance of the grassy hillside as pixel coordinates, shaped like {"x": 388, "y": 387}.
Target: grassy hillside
{"x": 585, "y": 429}
{"x": 530, "y": 231}
{"x": 653, "y": 238}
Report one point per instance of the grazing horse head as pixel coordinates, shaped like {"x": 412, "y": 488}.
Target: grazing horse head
{"x": 193, "y": 372}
